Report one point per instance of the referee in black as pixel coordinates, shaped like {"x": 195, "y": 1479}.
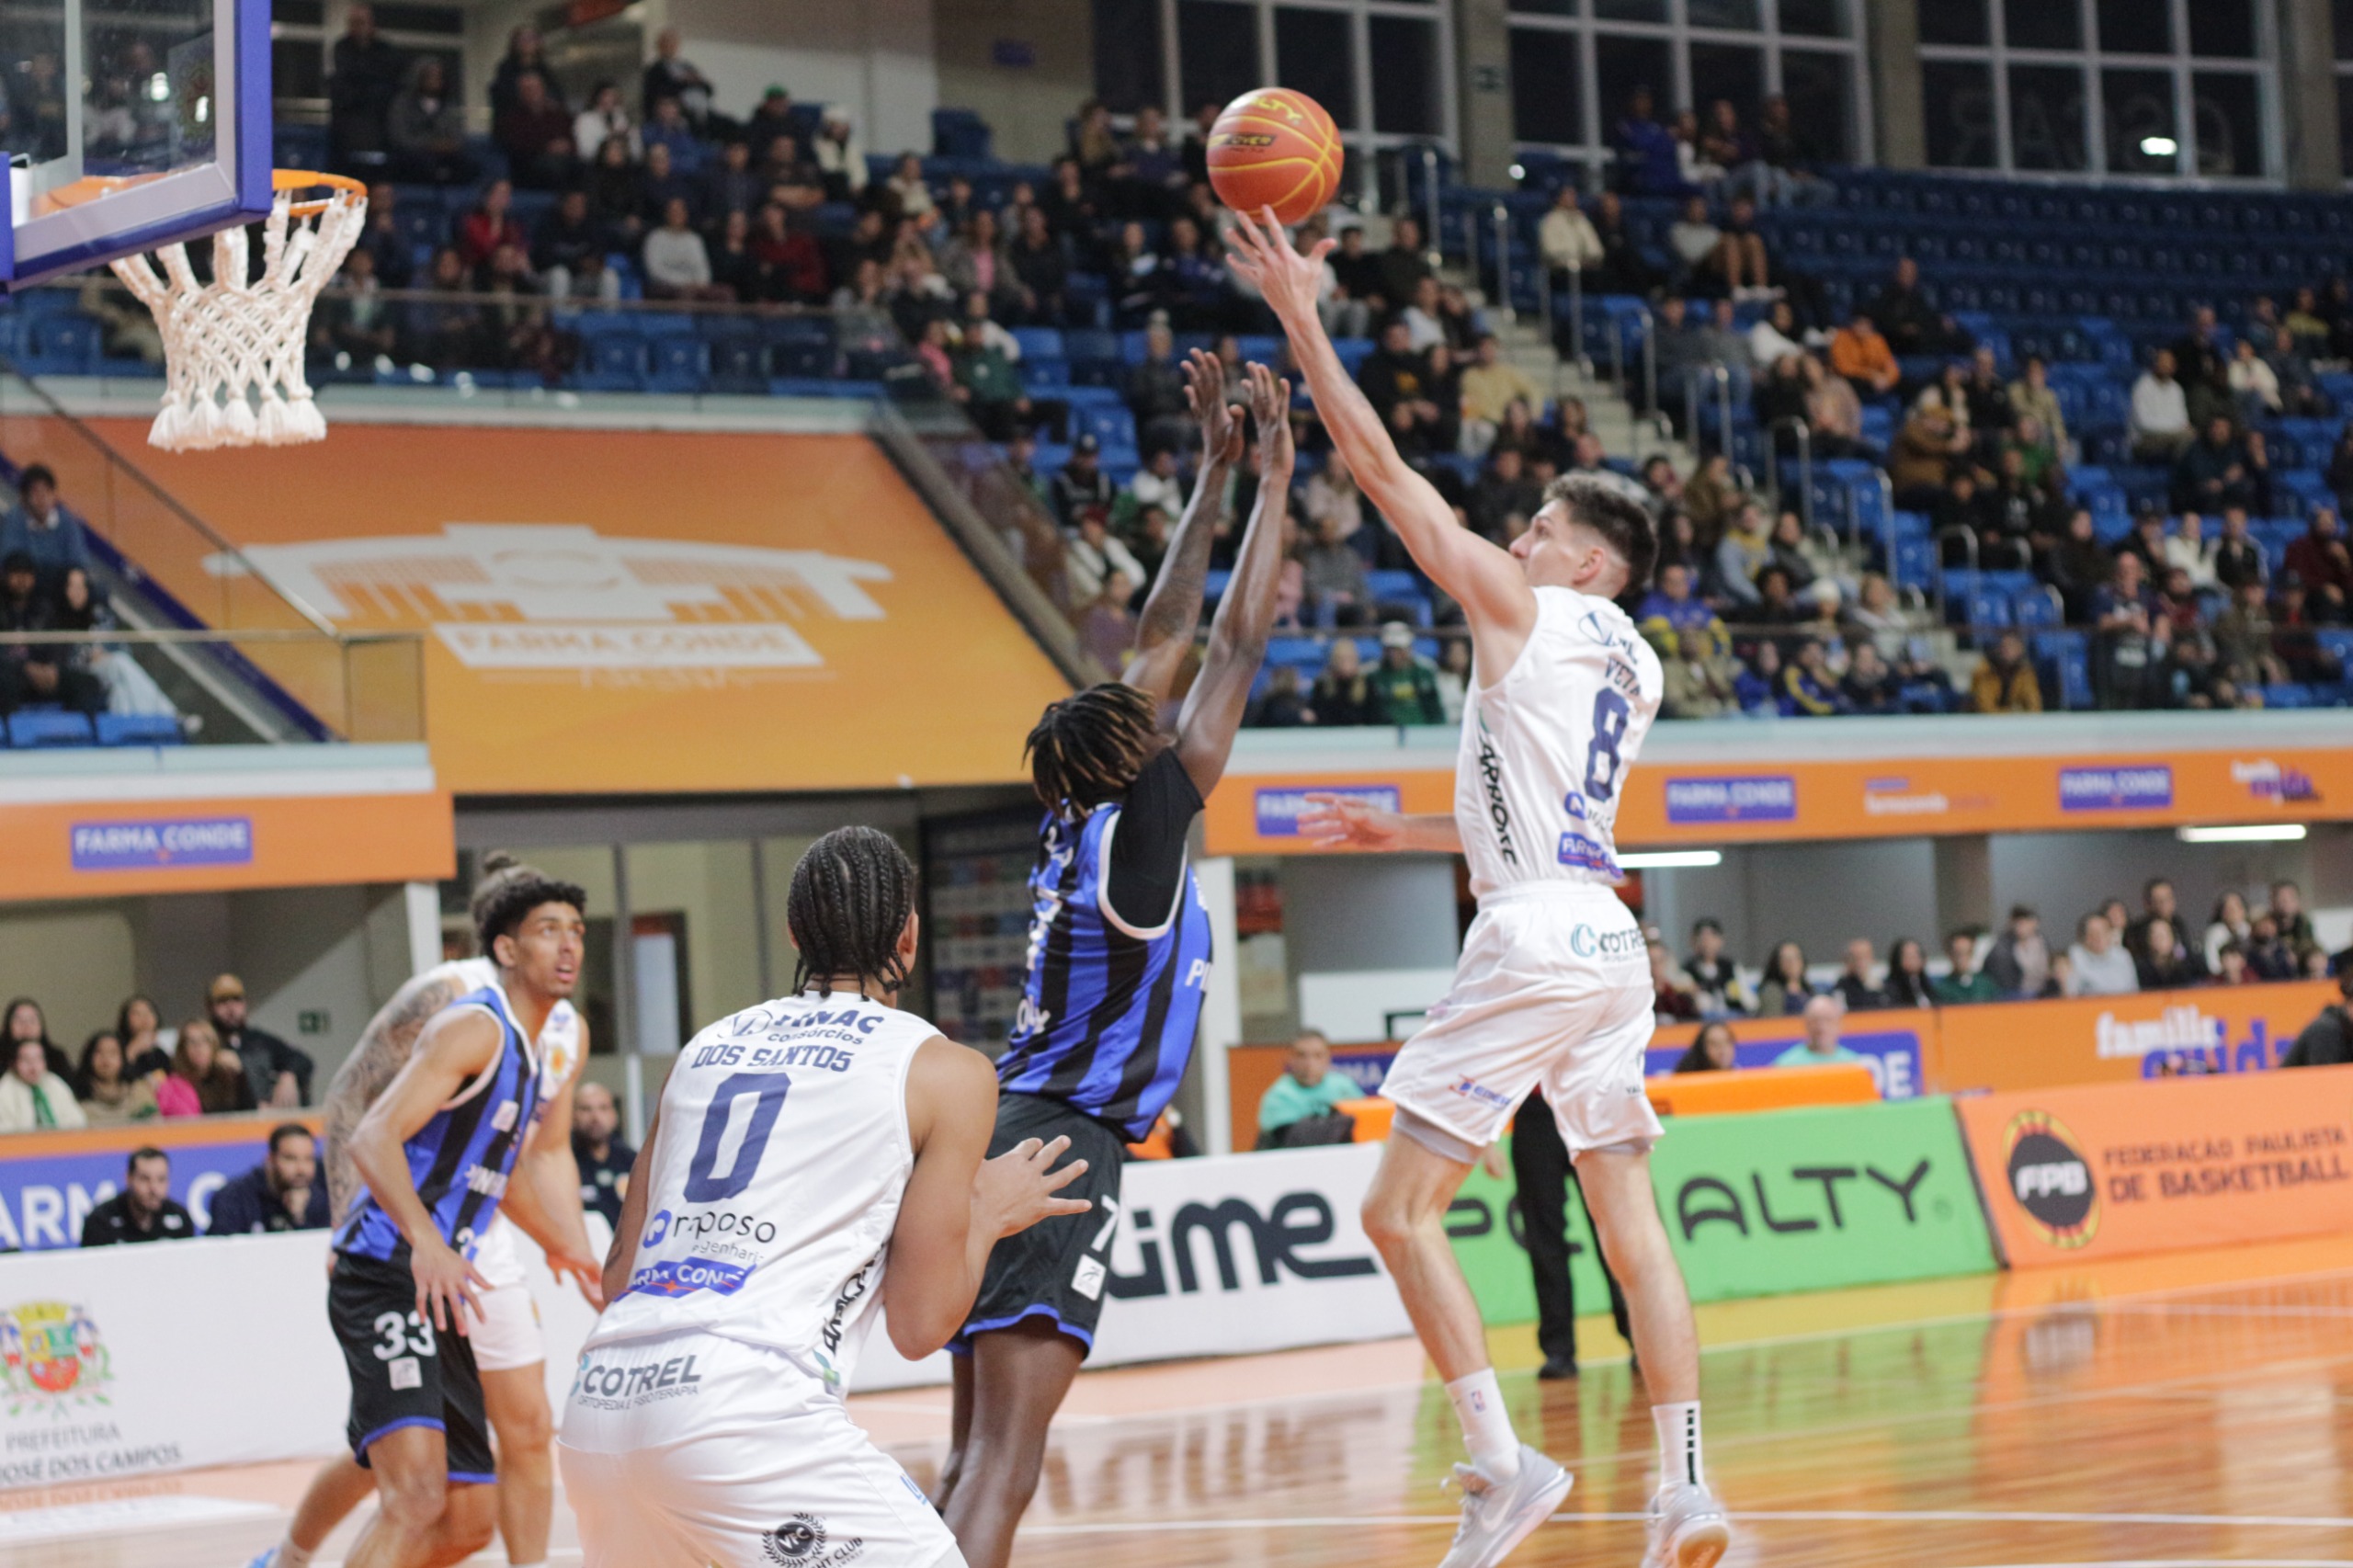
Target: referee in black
{"x": 1544, "y": 1174}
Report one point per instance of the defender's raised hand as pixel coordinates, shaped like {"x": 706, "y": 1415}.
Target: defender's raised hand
{"x": 1205, "y": 395}
{"x": 1270, "y": 410}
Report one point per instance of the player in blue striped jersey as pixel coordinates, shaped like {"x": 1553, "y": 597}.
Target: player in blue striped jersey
{"x": 1118, "y": 957}
{"x": 435, "y": 1150}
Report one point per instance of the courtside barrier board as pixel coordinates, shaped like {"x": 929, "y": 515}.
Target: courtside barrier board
{"x": 2113, "y": 1169}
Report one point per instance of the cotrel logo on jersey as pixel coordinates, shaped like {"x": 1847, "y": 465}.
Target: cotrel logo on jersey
{"x": 544, "y": 597}
{"x": 2050, "y": 1179}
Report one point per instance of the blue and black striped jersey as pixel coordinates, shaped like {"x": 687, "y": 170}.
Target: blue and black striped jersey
{"x": 461, "y": 1158}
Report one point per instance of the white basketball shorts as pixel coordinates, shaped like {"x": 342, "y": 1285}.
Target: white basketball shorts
{"x": 692, "y": 1450}
{"x": 1554, "y": 992}
{"x": 508, "y": 1336}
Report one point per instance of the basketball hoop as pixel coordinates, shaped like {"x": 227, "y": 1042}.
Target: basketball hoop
{"x": 232, "y": 350}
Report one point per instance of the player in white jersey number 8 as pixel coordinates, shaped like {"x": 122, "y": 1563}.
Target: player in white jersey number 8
{"x": 1553, "y": 989}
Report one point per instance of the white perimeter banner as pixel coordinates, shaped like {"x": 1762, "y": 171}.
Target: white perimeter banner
{"x": 137, "y": 1360}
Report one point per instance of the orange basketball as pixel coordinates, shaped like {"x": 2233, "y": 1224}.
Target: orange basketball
{"x": 1273, "y": 147}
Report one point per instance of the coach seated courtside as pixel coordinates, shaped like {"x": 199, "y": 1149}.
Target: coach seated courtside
{"x": 282, "y": 1193}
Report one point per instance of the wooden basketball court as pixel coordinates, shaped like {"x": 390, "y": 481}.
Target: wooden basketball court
{"x": 2170, "y": 1413}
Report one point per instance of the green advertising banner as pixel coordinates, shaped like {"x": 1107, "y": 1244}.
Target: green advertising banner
{"x": 1763, "y": 1204}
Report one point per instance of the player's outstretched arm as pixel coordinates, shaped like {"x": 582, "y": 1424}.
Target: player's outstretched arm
{"x": 454, "y": 1049}
{"x": 1345, "y": 822}
{"x": 957, "y": 1206}
{"x": 1245, "y": 616}
{"x": 383, "y": 1049}
{"x": 1173, "y": 609}
{"x": 1482, "y": 578}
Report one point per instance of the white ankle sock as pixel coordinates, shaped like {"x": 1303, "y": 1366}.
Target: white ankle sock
{"x": 290, "y": 1556}
{"x": 1486, "y": 1425}
{"x": 1678, "y": 1443}
{"x": 542, "y": 1562}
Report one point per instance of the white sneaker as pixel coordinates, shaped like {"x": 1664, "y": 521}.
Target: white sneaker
{"x": 1687, "y": 1528}
{"x": 268, "y": 1557}
{"x": 1499, "y": 1515}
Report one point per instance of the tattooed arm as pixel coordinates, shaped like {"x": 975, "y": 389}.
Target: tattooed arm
{"x": 1173, "y": 612}
{"x": 383, "y": 1049}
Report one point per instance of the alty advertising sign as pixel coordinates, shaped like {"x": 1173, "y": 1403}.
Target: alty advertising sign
{"x": 2111, "y": 1169}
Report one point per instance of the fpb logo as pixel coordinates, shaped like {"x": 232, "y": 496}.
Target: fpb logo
{"x": 2050, "y": 1179}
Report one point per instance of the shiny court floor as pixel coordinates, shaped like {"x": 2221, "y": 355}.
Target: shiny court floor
{"x": 2175, "y": 1411}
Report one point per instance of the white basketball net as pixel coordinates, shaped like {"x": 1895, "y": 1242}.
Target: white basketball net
{"x": 234, "y": 349}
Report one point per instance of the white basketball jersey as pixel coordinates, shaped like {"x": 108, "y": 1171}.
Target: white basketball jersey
{"x": 1546, "y": 749}
{"x": 559, "y": 1048}
{"x": 779, "y": 1161}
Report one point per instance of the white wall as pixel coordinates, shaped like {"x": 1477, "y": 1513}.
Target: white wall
{"x": 1818, "y": 895}
{"x": 76, "y": 959}
{"x": 873, "y": 55}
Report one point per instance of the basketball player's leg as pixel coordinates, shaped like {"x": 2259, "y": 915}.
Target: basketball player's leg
{"x": 515, "y": 1399}
{"x": 1020, "y": 1375}
{"x": 1617, "y": 1194}
{"x": 1404, "y": 1218}
{"x": 960, "y": 1429}
{"x": 423, "y": 1519}
{"x": 336, "y": 1488}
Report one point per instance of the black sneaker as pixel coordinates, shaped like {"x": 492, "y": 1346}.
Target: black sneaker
{"x": 1556, "y": 1369}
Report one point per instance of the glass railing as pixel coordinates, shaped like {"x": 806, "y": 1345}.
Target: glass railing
{"x": 160, "y": 687}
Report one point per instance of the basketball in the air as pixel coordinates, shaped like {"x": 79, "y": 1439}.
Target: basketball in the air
{"x": 1273, "y": 147}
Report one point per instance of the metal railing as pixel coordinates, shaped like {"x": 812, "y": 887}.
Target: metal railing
{"x": 1723, "y": 379}
{"x": 1431, "y": 229}
{"x": 1805, "y": 434}
{"x": 1502, "y": 302}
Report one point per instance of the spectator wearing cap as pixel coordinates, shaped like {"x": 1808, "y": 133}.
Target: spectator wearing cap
{"x": 1404, "y": 685}
{"x": 1823, "y": 1018}
{"x": 1081, "y": 484}
{"x": 1967, "y": 982}
{"x": 143, "y": 1211}
{"x": 281, "y": 1075}
{"x": 40, "y": 526}
{"x": 282, "y": 1193}
{"x": 32, "y": 1098}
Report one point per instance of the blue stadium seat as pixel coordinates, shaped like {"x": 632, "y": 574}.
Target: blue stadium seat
{"x": 614, "y": 361}
{"x": 62, "y": 345}
{"x": 680, "y": 364}
{"x": 37, "y": 727}
{"x": 139, "y": 729}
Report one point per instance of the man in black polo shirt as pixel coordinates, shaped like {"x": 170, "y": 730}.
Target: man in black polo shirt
{"x": 144, "y": 1209}
{"x": 597, "y": 1149}
{"x": 282, "y": 1193}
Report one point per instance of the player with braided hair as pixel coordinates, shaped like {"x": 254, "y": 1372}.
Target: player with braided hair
{"x": 1118, "y": 955}
{"x": 811, "y": 1156}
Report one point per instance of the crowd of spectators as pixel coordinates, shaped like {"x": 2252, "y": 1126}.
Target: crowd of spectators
{"x": 48, "y": 583}
{"x": 216, "y": 1062}
{"x": 2113, "y": 951}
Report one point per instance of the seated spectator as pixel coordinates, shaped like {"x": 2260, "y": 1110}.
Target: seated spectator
{"x": 1860, "y": 354}
{"x": 1714, "y": 1051}
{"x": 1404, "y": 685}
{"x": 109, "y": 1092}
{"x": 790, "y": 264}
{"x": 32, "y": 1098}
{"x": 677, "y": 262}
{"x": 667, "y": 128}
{"x": 535, "y": 133}
{"x": 1491, "y": 384}
{"x": 662, "y": 182}
{"x": 384, "y": 238}
{"x": 1155, "y": 393}
{"x": 616, "y": 193}
{"x": 1929, "y": 452}
{"x": 1776, "y": 336}
{"x": 1283, "y": 706}
{"x": 1081, "y": 485}
{"x": 1338, "y": 584}
{"x": 1342, "y": 695}
{"x": 2268, "y": 954}
{"x": 1833, "y": 413}
{"x": 1967, "y": 982}
{"x": 1856, "y": 987}
{"x": 2163, "y": 964}
{"x": 2102, "y": 967}
{"x": 1809, "y": 687}
{"x": 987, "y": 384}
{"x": 1908, "y": 985}
{"x": 1567, "y": 240}
{"x": 1106, "y": 631}
{"x": 1870, "y": 685}
{"x": 2217, "y": 470}
{"x": 2032, "y": 398}
{"x": 1715, "y": 978}
{"x": 2245, "y": 640}
{"x": 1503, "y": 490}
{"x": 1624, "y": 268}
{"x": 2255, "y": 386}
{"x": 1395, "y": 378}
{"x": 2327, "y": 1041}
{"x": 1742, "y": 556}
{"x": 443, "y": 333}
{"x": 567, "y": 237}
{"x": 283, "y": 1193}
{"x": 1673, "y": 998}
{"x": 603, "y": 120}
{"x": 1727, "y": 259}
{"x": 1308, "y": 1091}
{"x": 1453, "y": 676}
{"x": 2231, "y": 966}
{"x": 2159, "y": 423}
{"x": 39, "y": 672}
{"x": 667, "y": 75}
{"x": 41, "y": 528}
{"x": 426, "y": 129}
{"x": 2005, "y": 681}
{"x": 596, "y": 1148}
{"x": 1091, "y": 554}
{"x": 839, "y": 158}
{"x": 145, "y": 1210}
{"x": 2321, "y": 561}
{"x": 1646, "y": 150}
{"x": 364, "y": 79}
{"x": 1910, "y": 325}
{"x": 1785, "y": 988}
{"x": 2287, "y": 911}
{"x": 1820, "y": 1047}
{"x": 281, "y": 1075}
{"x": 205, "y": 1080}
{"x": 352, "y": 319}
{"x": 2020, "y": 964}
{"x": 2128, "y": 639}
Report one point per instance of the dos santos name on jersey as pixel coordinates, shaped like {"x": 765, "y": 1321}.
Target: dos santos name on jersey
{"x": 849, "y": 1026}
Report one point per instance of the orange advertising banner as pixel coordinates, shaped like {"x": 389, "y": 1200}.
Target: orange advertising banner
{"x": 2086, "y": 1039}
{"x": 104, "y": 849}
{"x": 613, "y": 610}
{"x": 2109, "y": 1170}
{"x": 1668, "y": 804}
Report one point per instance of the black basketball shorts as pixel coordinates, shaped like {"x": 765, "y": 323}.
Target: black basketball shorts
{"x": 405, "y": 1372}
{"x": 1059, "y": 1267}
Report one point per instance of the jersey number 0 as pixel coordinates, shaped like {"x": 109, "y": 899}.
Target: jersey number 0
{"x": 704, "y": 1183}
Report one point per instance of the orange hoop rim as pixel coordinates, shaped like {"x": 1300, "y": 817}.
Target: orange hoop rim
{"x": 311, "y": 179}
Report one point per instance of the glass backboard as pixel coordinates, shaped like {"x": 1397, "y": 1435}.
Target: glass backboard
{"x": 129, "y": 124}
